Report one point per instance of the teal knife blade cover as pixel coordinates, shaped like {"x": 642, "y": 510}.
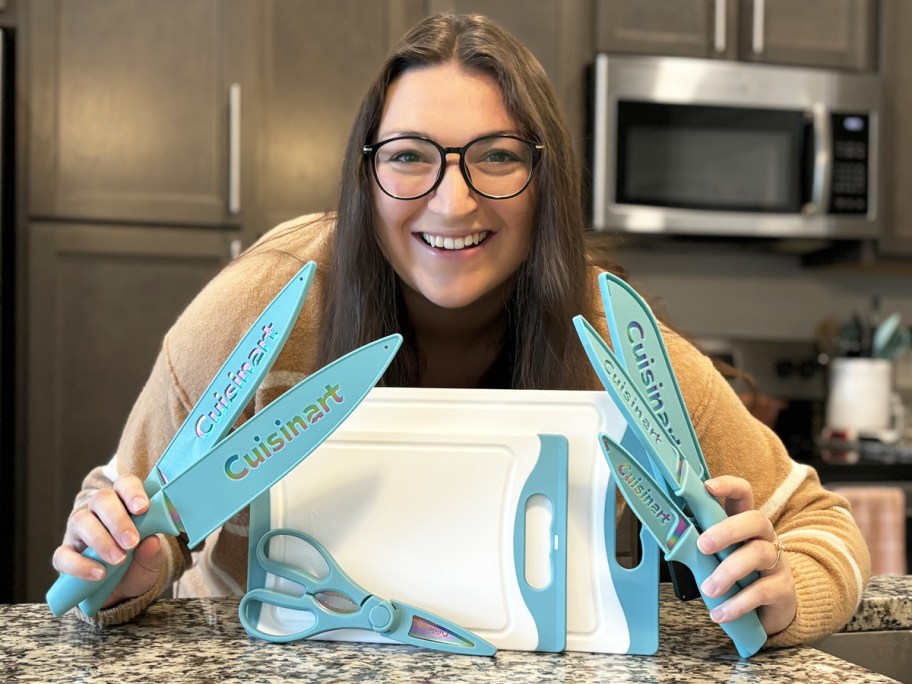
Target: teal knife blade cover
{"x": 253, "y": 458}
{"x": 638, "y": 341}
{"x": 210, "y": 491}
{"x": 678, "y": 538}
{"x": 235, "y": 383}
{"x": 221, "y": 403}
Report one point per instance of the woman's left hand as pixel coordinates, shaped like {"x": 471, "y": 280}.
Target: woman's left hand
{"x": 774, "y": 593}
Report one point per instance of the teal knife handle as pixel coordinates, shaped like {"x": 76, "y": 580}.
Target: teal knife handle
{"x": 69, "y": 591}
{"x": 707, "y": 512}
{"x": 746, "y": 632}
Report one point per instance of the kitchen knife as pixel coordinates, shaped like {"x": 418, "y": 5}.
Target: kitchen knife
{"x": 252, "y": 458}
{"x": 677, "y": 536}
{"x": 686, "y": 485}
{"x": 638, "y": 344}
{"x": 221, "y": 403}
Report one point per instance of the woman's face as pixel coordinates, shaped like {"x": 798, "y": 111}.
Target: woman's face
{"x": 452, "y": 107}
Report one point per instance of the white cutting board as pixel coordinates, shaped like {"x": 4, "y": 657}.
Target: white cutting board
{"x": 432, "y": 520}
{"x": 599, "y": 591}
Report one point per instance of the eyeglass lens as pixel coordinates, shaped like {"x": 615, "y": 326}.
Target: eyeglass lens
{"x": 497, "y": 166}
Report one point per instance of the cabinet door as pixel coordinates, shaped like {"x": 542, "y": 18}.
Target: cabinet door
{"x": 681, "y": 28}
{"x": 838, "y": 34}
{"x": 897, "y": 128}
{"x": 129, "y": 108}
{"x": 559, "y": 34}
{"x": 317, "y": 59}
{"x": 100, "y": 301}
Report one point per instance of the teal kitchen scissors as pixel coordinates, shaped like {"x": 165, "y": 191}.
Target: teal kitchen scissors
{"x": 327, "y": 599}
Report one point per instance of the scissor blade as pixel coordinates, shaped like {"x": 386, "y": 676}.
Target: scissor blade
{"x": 263, "y": 450}
{"x": 420, "y": 628}
{"x": 639, "y": 345}
{"x": 235, "y": 383}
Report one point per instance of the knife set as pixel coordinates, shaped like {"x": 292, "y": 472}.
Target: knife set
{"x": 494, "y": 511}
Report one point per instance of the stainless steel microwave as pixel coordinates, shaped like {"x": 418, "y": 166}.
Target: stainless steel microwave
{"x": 693, "y": 146}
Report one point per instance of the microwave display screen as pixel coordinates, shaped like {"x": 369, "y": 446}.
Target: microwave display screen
{"x": 705, "y": 157}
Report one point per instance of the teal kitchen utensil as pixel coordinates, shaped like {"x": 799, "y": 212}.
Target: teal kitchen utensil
{"x": 684, "y": 482}
{"x": 677, "y": 535}
{"x": 331, "y": 600}
{"x": 221, "y": 403}
{"x": 252, "y": 458}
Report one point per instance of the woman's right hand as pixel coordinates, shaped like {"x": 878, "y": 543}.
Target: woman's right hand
{"x": 106, "y": 526}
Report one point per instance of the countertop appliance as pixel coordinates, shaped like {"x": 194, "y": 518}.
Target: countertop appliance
{"x": 710, "y": 147}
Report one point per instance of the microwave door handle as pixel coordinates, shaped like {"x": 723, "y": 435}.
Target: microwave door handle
{"x": 823, "y": 161}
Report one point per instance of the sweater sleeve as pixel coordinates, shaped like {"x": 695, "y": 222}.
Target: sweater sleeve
{"x": 827, "y": 554}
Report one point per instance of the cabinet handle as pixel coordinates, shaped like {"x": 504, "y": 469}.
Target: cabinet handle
{"x": 720, "y": 26}
{"x": 234, "y": 149}
{"x": 823, "y": 161}
{"x": 757, "y": 37}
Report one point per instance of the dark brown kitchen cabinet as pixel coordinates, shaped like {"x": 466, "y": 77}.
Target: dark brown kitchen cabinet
{"x": 896, "y": 70}
{"x": 838, "y": 34}
{"x": 130, "y": 109}
{"x": 100, "y": 299}
{"x": 315, "y": 62}
{"x": 559, "y": 34}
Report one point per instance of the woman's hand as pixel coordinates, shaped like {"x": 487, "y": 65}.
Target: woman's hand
{"x": 105, "y": 525}
{"x": 774, "y": 593}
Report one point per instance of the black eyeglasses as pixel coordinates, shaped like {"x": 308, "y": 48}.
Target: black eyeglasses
{"x": 494, "y": 166}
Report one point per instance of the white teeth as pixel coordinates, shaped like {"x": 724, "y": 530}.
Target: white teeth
{"x": 454, "y": 243}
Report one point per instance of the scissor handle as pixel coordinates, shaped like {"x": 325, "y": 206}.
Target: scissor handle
{"x": 368, "y": 612}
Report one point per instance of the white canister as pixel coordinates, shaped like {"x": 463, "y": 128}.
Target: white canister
{"x": 861, "y": 399}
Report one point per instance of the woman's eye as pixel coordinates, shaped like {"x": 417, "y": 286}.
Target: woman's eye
{"x": 499, "y": 156}
{"x": 406, "y": 157}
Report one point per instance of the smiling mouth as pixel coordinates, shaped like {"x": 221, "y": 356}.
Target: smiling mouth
{"x": 457, "y": 243}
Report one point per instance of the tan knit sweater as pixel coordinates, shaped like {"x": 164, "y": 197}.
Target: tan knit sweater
{"x": 827, "y": 554}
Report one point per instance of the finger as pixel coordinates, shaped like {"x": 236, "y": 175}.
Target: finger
{"x": 108, "y": 506}
{"x": 738, "y": 528}
{"x": 142, "y": 574}
{"x": 131, "y": 491}
{"x": 85, "y": 526}
{"x": 744, "y": 560}
{"x": 69, "y": 561}
{"x": 737, "y": 492}
{"x": 773, "y": 597}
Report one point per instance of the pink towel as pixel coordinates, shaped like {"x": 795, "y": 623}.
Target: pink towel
{"x": 880, "y": 513}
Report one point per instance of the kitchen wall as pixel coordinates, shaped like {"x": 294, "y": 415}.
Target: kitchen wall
{"x": 731, "y": 291}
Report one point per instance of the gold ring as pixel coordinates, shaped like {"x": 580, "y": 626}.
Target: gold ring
{"x": 779, "y": 546}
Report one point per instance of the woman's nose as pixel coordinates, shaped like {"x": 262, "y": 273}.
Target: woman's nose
{"x": 453, "y": 195}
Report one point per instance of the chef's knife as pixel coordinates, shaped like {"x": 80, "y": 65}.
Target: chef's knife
{"x": 686, "y": 485}
{"x": 221, "y": 403}
{"x": 252, "y": 458}
{"x": 677, "y": 536}
{"x": 639, "y": 345}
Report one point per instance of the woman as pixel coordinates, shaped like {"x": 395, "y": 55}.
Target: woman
{"x": 460, "y": 226}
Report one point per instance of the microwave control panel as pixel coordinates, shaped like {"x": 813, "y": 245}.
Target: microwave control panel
{"x": 850, "y": 163}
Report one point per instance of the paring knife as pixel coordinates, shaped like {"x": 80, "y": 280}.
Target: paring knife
{"x": 686, "y": 485}
{"x": 677, "y": 536}
{"x": 221, "y": 403}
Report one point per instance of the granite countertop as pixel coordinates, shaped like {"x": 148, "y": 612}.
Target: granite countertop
{"x": 201, "y": 640}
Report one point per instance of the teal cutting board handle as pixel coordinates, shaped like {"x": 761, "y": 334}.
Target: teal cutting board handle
{"x": 548, "y": 604}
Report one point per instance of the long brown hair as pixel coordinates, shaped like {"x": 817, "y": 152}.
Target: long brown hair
{"x": 363, "y": 301}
